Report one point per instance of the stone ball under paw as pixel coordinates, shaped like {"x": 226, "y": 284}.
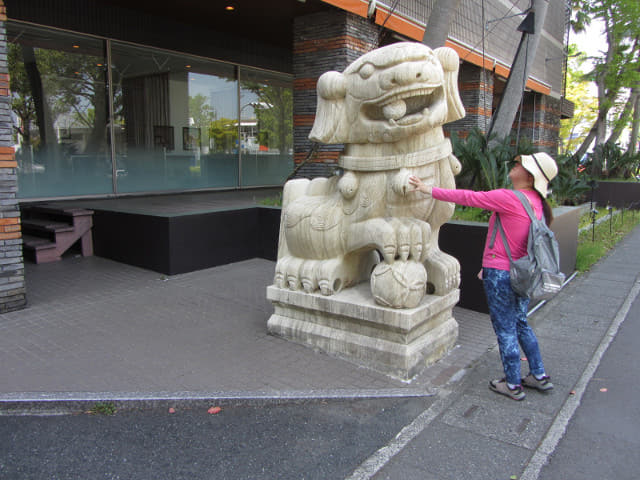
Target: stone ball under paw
{"x": 401, "y": 284}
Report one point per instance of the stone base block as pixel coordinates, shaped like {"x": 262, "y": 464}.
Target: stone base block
{"x": 350, "y": 325}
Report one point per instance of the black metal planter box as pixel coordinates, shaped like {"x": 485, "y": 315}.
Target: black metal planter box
{"x": 184, "y": 243}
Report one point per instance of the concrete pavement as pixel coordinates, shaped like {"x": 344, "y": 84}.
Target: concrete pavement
{"x": 602, "y": 440}
{"x": 99, "y": 330}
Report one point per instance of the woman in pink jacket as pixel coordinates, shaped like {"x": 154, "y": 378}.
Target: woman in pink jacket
{"x": 531, "y": 175}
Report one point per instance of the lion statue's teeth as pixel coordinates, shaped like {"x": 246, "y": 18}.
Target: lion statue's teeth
{"x": 394, "y": 110}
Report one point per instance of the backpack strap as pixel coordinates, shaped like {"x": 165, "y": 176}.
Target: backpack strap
{"x": 498, "y": 224}
{"x": 526, "y": 204}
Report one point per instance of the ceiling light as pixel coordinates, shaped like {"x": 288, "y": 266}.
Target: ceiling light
{"x": 230, "y": 8}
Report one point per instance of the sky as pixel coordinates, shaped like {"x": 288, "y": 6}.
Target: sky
{"x": 591, "y": 41}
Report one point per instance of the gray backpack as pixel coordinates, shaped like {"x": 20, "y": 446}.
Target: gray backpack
{"x": 537, "y": 275}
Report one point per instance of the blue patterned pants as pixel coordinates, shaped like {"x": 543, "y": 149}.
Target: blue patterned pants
{"x": 508, "y": 312}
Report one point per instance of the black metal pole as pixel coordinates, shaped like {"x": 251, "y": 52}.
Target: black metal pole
{"x": 594, "y": 212}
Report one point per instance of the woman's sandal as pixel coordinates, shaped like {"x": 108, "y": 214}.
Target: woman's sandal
{"x": 500, "y": 386}
{"x": 544, "y": 384}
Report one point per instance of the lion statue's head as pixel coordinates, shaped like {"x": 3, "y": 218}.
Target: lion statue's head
{"x": 388, "y": 94}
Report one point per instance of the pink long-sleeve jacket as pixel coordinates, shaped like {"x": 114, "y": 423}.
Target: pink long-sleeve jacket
{"x": 513, "y": 217}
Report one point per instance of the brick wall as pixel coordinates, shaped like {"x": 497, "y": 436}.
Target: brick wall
{"x": 476, "y": 92}
{"x": 324, "y": 41}
{"x": 12, "y": 285}
{"x": 540, "y": 122}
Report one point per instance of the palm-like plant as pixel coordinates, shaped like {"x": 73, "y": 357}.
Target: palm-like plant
{"x": 485, "y": 167}
{"x": 609, "y": 161}
{"x": 568, "y": 188}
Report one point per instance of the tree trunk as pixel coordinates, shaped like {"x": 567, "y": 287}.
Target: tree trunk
{"x": 623, "y": 123}
{"x": 606, "y": 95}
{"x": 440, "y": 18}
{"x": 43, "y": 119}
{"x": 48, "y": 150}
{"x": 598, "y": 130}
{"x": 586, "y": 143}
{"x": 98, "y": 136}
{"x": 505, "y": 114}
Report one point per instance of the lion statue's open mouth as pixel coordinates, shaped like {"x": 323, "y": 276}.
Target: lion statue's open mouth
{"x": 406, "y": 107}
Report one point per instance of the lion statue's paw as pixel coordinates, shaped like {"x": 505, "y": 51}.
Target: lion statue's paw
{"x": 444, "y": 272}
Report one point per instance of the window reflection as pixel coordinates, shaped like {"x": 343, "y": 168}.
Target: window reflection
{"x": 167, "y": 115}
{"x": 266, "y": 128}
{"x": 59, "y": 108}
{"x": 178, "y": 122}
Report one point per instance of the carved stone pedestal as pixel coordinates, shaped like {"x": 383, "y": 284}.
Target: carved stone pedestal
{"x": 350, "y": 325}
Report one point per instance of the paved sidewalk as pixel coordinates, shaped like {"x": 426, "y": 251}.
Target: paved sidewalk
{"x": 471, "y": 429}
{"x": 607, "y": 422}
{"x": 98, "y": 329}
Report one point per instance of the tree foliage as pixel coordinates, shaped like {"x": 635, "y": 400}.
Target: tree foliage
{"x": 274, "y": 112}
{"x": 616, "y": 72}
{"x": 224, "y": 132}
{"x": 73, "y": 85}
{"x": 22, "y": 102}
{"x": 200, "y": 111}
{"x": 574, "y": 130}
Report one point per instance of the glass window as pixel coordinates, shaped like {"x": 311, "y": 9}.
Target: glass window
{"x": 59, "y": 109}
{"x": 179, "y": 122}
{"x": 175, "y": 121}
{"x": 266, "y": 127}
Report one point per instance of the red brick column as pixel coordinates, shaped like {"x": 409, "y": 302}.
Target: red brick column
{"x": 540, "y": 122}
{"x": 476, "y": 92}
{"x": 12, "y": 285}
{"x": 323, "y": 41}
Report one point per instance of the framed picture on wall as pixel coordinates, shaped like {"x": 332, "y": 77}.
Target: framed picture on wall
{"x": 163, "y": 136}
{"x": 190, "y": 138}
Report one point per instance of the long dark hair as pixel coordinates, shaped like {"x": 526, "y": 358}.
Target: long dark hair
{"x": 546, "y": 209}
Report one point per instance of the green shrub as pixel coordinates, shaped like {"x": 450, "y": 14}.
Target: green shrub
{"x": 609, "y": 161}
{"x": 486, "y": 161}
{"x": 470, "y": 214}
{"x": 568, "y": 188}
{"x": 272, "y": 201}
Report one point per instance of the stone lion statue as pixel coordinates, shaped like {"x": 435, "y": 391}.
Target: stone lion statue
{"x": 387, "y": 108}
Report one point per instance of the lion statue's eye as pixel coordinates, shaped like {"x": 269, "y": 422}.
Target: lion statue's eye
{"x": 366, "y": 70}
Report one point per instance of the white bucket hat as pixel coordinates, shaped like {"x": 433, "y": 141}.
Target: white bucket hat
{"x": 542, "y": 167}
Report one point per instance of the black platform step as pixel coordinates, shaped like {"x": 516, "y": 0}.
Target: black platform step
{"x": 55, "y": 210}
{"x": 43, "y": 225}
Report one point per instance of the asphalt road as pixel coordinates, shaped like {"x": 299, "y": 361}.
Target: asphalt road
{"x": 602, "y": 440}
{"x": 321, "y": 440}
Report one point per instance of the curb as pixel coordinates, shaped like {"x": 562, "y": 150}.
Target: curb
{"x": 67, "y": 403}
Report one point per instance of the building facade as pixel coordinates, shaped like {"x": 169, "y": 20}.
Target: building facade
{"x": 113, "y": 98}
